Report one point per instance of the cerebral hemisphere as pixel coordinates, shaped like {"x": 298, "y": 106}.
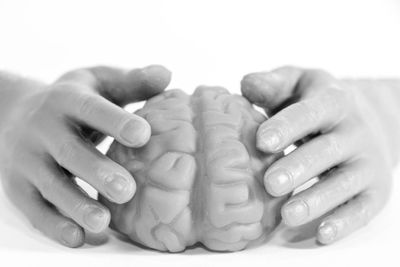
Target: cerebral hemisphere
{"x": 200, "y": 177}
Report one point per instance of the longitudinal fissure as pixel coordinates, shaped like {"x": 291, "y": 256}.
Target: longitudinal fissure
{"x": 197, "y": 201}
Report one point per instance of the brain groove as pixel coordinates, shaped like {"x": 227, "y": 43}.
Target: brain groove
{"x": 199, "y": 179}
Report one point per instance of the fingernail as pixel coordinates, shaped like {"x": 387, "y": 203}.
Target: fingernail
{"x": 278, "y": 183}
{"x": 118, "y": 187}
{"x": 295, "y": 212}
{"x": 135, "y": 132}
{"x": 270, "y": 79}
{"x": 149, "y": 80}
{"x": 95, "y": 219}
{"x": 159, "y": 75}
{"x": 327, "y": 233}
{"x": 269, "y": 140}
{"x": 71, "y": 235}
{"x": 252, "y": 80}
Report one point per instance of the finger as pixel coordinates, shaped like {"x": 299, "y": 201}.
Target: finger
{"x": 311, "y": 115}
{"x": 100, "y": 114}
{"x": 86, "y": 162}
{"x": 44, "y": 218}
{"x": 351, "y": 216}
{"x": 270, "y": 89}
{"x": 312, "y": 159}
{"x": 58, "y": 189}
{"x": 331, "y": 191}
{"x": 120, "y": 86}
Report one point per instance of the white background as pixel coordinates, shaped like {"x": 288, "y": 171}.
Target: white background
{"x": 203, "y": 42}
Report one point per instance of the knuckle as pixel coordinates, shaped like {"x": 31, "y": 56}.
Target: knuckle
{"x": 57, "y": 91}
{"x": 364, "y": 213}
{"x": 311, "y": 114}
{"x": 40, "y": 219}
{"x": 347, "y": 181}
{"x": 74, "y": 76}
{"x": 46, "y": 183}
{"x": 38, "y": 108}
{"x": 319, "y": 73}
{"x": 62, "y": 91}
{"x": 331, "y": 146}
{"x": 86, "y": 104}
{"x": 289, "y": 69}
{"x": 67, "y": 151}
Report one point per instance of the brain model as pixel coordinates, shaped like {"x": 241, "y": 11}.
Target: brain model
{"x": 199, "y": 179}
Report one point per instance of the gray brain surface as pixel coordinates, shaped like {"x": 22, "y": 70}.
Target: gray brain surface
{"x": 199, "y": 178}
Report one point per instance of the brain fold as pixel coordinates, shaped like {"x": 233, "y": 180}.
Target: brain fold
{"x": 199, "y": 179}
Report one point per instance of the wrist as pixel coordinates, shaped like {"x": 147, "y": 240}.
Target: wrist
{"x": 13, "y": 89}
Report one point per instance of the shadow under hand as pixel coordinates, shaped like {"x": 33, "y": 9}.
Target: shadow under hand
{"x": 301, "y": 237}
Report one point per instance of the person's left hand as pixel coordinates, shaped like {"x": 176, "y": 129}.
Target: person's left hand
{"x": 340, "y": 140}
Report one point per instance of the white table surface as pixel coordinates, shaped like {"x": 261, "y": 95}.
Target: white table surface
{"x": 203, "y": 42}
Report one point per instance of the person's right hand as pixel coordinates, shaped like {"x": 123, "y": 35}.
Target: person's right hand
{"x": 48, "y": 136}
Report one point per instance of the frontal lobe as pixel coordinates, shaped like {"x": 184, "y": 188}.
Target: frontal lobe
{"x": 236, "y": 208}
{"x": 200, "y": 177}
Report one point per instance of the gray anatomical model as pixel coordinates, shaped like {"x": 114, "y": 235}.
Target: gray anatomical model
{"x": 199, "y": 179}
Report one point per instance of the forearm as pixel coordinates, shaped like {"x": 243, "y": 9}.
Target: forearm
{"x": 383, "y": 99}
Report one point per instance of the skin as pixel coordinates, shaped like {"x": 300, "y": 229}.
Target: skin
{"x": 48, "y": 135}
{"x": 346, "y": 132}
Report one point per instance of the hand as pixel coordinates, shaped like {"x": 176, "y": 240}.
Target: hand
{"x": 340, "y": 140}
{"x": 49, "y": 136}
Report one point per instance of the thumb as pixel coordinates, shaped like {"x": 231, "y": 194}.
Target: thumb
{"x": 120, "y": 86}
{"x": 270, "y": 90}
